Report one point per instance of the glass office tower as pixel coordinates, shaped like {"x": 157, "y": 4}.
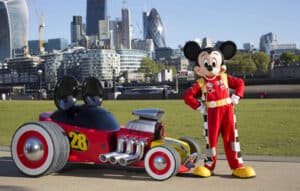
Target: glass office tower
{"x": 95, "y": 10}
{"x": 154, "y": 29}
{"x": 126, "y": 32}
{"x": 13, "y": 27}
{"x": 76, "y": 29}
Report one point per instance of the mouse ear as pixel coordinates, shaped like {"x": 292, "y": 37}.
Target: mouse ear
{"x": 228, "y": 49}
{"x": 191, "y": 50}
{"x": 92, "y": 91}
{"x": 65, "y": 93}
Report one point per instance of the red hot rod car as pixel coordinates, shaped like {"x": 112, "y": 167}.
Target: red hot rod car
{"x": 89, "y": 133}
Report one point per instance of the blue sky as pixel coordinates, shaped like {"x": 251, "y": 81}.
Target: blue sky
{"x": 237, "y": 20}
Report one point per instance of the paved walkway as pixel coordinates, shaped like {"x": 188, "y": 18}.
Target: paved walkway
{"x": 270, "y": 176}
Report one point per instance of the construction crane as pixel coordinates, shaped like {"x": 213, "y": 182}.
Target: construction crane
{"x": 41, "y": 30}
{"x": 39, "y": 15}
{"x": 124, "y": 4}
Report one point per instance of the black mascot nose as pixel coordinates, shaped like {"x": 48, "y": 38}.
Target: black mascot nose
{"x": 209, "y": 68}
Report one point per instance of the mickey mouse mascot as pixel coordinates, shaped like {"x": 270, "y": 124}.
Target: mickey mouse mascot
{"x": 216, "y": 105}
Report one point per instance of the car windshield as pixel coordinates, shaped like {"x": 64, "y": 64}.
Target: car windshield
{"x": 87, "y": 117}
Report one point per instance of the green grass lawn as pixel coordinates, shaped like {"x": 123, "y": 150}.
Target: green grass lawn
{"x": 266, "y": 126}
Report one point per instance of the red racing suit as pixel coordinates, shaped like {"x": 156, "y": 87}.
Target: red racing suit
{"x": 219, "y": 116}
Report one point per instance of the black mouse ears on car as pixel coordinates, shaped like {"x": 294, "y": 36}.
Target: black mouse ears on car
{"x": 92, "y": 91}
{"x": 66, "y": 92}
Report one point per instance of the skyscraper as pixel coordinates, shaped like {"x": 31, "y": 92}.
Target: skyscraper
{"x": 104, "y": 34}
{"x": 56, "y": 44}
{"x": 154, "y": 29}
{"x": 126, "y": 32}
{"x": 13, "y": 27}
{"x": 270, "y": 45}
{"x": 266, "y": 41}
{"x": 145, "y": 27}
{"x": 206, "y": 42}
{"x": 95, "y": 10}
{"x": 248, "y": 46}
{"x": 121, "y": 31}
{"x": 76, "y": 29}
{"x": 115, "y": 33}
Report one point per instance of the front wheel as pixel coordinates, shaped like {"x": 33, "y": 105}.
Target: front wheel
{"x": 162, "y": 162}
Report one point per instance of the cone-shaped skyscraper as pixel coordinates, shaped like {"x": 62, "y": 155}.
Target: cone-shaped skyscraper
{"x": 154, "y": 29}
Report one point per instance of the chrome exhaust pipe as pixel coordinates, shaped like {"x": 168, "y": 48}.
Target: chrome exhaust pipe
{"x": 105, "y": 157}
{"x": 129, "y": 150}
{"x": 124, "y": 161}
{"x": 130, "y": 145}
{"x": 116, "y": 158}
{"x": 120, "y": 148}
{"x": 121, "y": 144}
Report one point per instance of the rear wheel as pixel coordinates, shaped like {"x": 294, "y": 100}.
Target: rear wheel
{"x": 162, "y": 162}
{"x": 40, "y": 148}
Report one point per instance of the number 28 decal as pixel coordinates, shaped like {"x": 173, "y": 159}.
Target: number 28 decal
{"x": 78, "y": 141}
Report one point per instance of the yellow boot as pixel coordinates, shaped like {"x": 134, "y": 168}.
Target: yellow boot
{"x": 244, "y": 172}
{"x": 202, "y": 171}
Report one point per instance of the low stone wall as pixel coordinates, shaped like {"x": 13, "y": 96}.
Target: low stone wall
{"x": 254, "y": 91}
{"x": 273, "y": 91}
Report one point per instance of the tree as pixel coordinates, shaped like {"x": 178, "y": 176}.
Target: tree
{"x": 289, "y": 57}
{"x": 148, "y": 67}
{"x": 298, "y": 57}
{"x": 262, "y": 61}
{"x": 241, "y": 64}
{"x": 249, "y": 67}
{"x": 233, "y": 67}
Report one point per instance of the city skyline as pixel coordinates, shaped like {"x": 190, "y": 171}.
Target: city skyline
{"x": 238, "y": 21}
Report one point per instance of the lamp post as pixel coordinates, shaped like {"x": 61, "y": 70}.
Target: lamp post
{"x": 114, "y": 81}
{"x": 40, "y": 73}
{"x": 13, "y": 74}
{"x": 115, "y": 71}
{"x": 176, "y": 83}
